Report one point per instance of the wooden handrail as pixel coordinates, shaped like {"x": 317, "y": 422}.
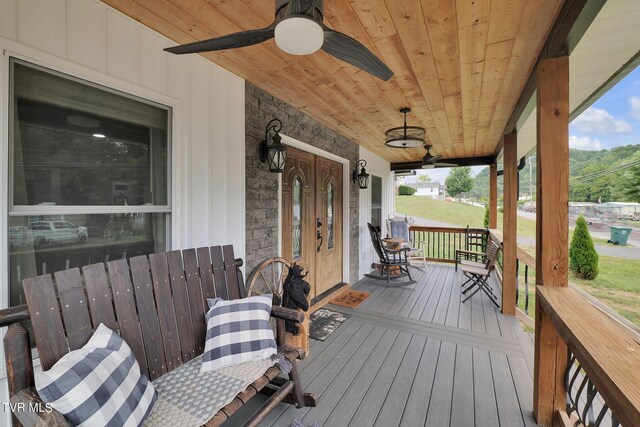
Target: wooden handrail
{"x": 437, "y": 229}
{"x": 608, "y": 353}
{"x": 525, "y": 258}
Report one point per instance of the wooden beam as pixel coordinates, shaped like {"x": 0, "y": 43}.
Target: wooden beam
{"x": 464, "y": 161}
{"x": 552, "y": 231}
{"x": 572, "y": 22}
{"x": 493, "y": 195}
{"x": 509, "y": 224}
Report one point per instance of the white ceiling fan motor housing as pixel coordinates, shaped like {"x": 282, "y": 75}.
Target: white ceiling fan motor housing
{"x": 299, "y": 36}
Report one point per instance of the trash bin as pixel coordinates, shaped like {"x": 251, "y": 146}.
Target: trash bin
{"x": 619, "y": 235}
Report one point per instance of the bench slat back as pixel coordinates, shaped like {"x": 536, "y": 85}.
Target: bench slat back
{"x": 99, "y": 295}
{"x": 75, "y": 309}
{"x": 182, "y": 306}
{"x": 125, "y": 304}
{"x": 157, "y": 303}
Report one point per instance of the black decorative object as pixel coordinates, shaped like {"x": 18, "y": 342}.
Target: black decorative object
{"x": 405, "y": 136}
{"x": 362, "y": 177}
{"x": 294, "y": 295}
{"x": 276, "y": 153}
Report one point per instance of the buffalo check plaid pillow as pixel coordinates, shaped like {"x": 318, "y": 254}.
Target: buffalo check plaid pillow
{"x": 99, "y": 384}
{"x": 238, "y": 331}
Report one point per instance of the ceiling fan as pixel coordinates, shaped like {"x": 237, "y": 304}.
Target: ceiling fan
{"x": 299, "y": 30}
{"x": 429, "y": 161}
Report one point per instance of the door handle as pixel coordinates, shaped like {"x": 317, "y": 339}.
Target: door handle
{"x": 319, "y": 237}
{"x": 318, "y": 223}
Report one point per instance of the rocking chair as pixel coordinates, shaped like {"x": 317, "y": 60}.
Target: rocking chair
{"x": 478, "y": 275}
{"x": 393, "y": 262}
{"x": 400, "y": 230}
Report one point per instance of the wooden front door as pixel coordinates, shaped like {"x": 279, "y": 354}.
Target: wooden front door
{"x": 312, "y": 217}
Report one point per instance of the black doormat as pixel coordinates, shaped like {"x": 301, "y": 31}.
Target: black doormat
{"x": 324, "y": 322}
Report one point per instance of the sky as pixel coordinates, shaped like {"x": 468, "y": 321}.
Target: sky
{"x": 612, "y": 121}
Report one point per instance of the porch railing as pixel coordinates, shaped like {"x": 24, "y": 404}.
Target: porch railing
{"x": 440, "y": 243}
{"x": 602, "y": 379}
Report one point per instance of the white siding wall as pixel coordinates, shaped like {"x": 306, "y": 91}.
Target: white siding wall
{"x": 375, "y": 166}
{"x": 88, "y": 39}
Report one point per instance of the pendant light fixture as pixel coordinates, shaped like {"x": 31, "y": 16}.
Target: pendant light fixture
{"x": 405, "y": 136}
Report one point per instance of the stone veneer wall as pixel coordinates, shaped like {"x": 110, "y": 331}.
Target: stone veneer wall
{"x": 262, "y": 186}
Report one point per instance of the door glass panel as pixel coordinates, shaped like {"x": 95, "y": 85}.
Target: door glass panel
{"x": 376, "y": 201}
{"x": 297, "y": 217}
{"x": 330, "y": 216}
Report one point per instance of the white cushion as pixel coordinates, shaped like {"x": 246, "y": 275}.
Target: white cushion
{"x": 238, "y": 331}
{"x": 99, "y": 384}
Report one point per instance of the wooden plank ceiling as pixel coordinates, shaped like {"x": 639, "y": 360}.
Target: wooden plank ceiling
{"x": 459, "y": 64}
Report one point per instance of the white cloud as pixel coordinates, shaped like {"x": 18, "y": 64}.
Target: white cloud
{"x": 585, "y": 143}
{"x": 635, "y": 107}
{"x": 595, "y": 120}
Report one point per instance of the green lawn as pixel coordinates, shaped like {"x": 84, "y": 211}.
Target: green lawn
{"x": 455, "y": 213}
{"x": 617, "y": 285}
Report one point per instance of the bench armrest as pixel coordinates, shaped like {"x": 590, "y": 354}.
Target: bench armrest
{"x": 32, "y": 411}
{"x": 285, "y": 313}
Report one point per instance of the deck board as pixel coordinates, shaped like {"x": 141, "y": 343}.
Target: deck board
{"x": 416, "y": 356}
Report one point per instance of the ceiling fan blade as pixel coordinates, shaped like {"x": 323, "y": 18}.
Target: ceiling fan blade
{"x": 352, "y": 51}
{"x": 434, "y": 159}
{"x": 303, "y": 7}
{"x": 428, "y": 166}
{"x": 231, "y": 41}
{"x": 446, "y": 165}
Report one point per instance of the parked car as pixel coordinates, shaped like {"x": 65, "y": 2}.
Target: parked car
{"x": 629, "y": 216}
{"x": 54, "y": 232}
{"x": 19, "y": 236}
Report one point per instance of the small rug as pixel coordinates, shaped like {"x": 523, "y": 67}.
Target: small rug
{"x": 350, "y": 298}
{"x": 324, "y": 322}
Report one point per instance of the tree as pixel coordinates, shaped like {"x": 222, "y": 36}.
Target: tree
{"x": 632, "y": 190}
{"x": 486, "y": 216}
{"x": 459, "y": 181}
{"x": 583, "y": 258}
{"x": 423, "y": 179}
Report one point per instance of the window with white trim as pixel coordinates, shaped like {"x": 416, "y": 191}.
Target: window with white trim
{"x": 89, "y": 174}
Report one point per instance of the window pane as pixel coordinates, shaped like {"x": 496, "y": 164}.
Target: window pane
{"x": 48, "y": 243}
{"x": 330, "y": 216}
{"x": 297, "y": 218}
{"x": 76, "y": 144}
{"x": 376, "y": 201}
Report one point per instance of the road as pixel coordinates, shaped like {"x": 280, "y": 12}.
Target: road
{"x": 630, "y": 252}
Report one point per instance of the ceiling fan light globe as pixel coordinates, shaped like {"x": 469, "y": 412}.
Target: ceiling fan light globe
{"x": 299, "y": 36}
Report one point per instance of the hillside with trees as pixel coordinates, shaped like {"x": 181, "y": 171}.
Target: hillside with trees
{"x": 606, "y": 175}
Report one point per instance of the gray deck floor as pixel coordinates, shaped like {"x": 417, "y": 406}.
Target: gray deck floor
{"x": 416, "y": 356}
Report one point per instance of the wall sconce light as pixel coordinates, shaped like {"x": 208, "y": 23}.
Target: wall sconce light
{"x": 276, "y": 153}
{"x": 362, "y": 178}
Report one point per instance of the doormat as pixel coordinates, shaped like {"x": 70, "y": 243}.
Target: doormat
{"x": 324, "y": 322}
{"x": 350, "y": 298}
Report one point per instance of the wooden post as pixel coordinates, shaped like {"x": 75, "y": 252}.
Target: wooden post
{"x": 493, "y": 195}
{"x": 552, "y": 231}
{"x": 509, "y": 224}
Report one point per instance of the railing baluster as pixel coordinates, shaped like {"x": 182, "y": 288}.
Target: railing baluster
{"x": 517, "y": 280}
{"x": 526, "y": 288}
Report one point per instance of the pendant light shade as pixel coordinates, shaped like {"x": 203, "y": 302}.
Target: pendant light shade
{"x": 405, "y": 136}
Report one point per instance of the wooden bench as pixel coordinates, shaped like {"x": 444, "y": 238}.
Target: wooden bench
{"x": 156, "y": 302}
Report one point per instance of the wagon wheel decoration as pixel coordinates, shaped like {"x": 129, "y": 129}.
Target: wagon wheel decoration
{"x": 268, "y": 278}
